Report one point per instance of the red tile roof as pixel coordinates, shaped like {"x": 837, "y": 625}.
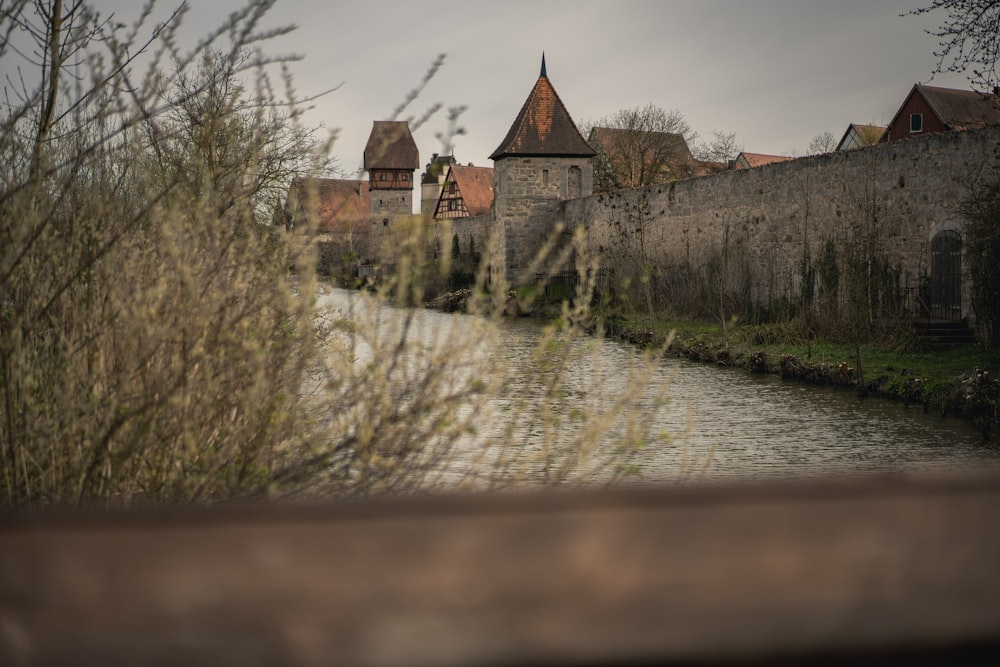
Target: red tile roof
{"x": 631, "y": 155}
{"x": 341, "y": 205}
{"x": 615, "y": 139}
{"x": 758, "y": 160}
{"x": 391, "y": 146}
{"x": 476, "y": 186}
{"x": 543, "y": 127}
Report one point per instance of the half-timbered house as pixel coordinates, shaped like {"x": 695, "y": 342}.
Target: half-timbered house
{"x": 467, "y": 191}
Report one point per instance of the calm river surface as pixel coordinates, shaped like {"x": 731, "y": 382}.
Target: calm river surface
{"x": 724, "y": 424}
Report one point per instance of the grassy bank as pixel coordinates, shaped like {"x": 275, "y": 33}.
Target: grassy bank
{"x": 957, "y": 381}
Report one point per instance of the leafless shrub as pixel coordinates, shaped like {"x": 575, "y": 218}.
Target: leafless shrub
{"x": 162, "y": 342}
{"x": 152, "y": 343}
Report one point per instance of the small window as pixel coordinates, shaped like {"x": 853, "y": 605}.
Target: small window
{"x": 405, "y": 177}
{"x": 451, "y": 205}
{"x": 382, "y": 177}
{"x": 545, "y": 176}
{"x": 452, "y": 187}
{"x": 385, "y": 222}
{"x": 916, "y": 122}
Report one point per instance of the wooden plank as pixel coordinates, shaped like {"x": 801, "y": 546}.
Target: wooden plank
{"x": 860, "y": 571}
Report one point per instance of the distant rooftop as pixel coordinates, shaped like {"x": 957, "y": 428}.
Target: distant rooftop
{"x": 391, "y": 146}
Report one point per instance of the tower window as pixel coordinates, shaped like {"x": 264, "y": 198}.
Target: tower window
{"x": 916, "y": 122}
{"x": 545, "y": 176}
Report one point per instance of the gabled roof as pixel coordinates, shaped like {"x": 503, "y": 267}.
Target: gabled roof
{"x": 476, "y": 186}
{"x": 641, "y": 157}
{"x": 612, "y": 139}
{"x": 543, "y": 127}
{"x": 341, "y": 205}
{"x": 391, "y": 146}
{"x": 759, "y": 159}
{"x": 870, "y": 134}
{"x": 957, "y": 109}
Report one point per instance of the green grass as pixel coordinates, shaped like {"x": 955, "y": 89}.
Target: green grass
{"x": 898, "y": 368}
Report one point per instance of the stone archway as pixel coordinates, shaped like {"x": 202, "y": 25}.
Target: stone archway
{"x": 946, "y": 275}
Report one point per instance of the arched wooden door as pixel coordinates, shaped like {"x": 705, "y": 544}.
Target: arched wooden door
{"x": 946, "y": 275}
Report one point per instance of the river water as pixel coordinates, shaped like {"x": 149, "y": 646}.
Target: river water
{"x": 698, "y": 422}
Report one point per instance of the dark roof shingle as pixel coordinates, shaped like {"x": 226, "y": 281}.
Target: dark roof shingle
{"x": 543, "y": 127}
{"x": 391, "y": 146}
{"x": 962, "y": 109}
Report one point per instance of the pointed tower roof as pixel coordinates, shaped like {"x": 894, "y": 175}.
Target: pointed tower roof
{"x": 543, "y": 127}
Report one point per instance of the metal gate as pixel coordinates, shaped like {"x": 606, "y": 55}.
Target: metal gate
{"x": 946, "y": 275}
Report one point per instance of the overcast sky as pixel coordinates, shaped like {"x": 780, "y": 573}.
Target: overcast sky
{"x": 775, "y": 72}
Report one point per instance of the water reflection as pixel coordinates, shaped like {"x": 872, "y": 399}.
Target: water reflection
{"x": 724, "y": 424}
{"x": 752, "y": 426}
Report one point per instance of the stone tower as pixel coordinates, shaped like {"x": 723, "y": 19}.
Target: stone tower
{"x": 391, "y": 157}
{"x": 543, "y": 160}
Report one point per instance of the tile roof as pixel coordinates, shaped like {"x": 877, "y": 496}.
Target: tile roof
{"x": 341, "y": 205}
{"x": 476, "y": 186}
{"x": 391, "y": 146}
{"x": 612, "y": 140}
{"x": 543, "y": 127}
{"x": 759, "y": 159}
{"x": 633, "y": 155}
{"x": 707, "y": 167}
{"x": 867, "y": 134}
{"x": 962, "y": 109}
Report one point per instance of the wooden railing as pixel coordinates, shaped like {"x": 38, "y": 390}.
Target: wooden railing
{"x": 869, "y": 571}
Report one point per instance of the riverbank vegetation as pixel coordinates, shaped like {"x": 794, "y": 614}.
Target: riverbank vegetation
{"x": 162, "y": 341}
{"x": 963, "y": 380}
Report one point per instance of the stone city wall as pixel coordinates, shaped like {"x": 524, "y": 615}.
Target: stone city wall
{"x": 896, "y": 195}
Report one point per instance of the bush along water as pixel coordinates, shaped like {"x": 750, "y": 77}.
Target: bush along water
{"x": 898, "y": 368}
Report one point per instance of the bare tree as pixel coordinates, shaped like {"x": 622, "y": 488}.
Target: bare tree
{"x": 981, "y": 209}
{"x": 153, "y": 348}
{"x": 720, "y": 150}
{"x": 640, "y": 146}
{"x": 970, "y": 39}
{"x": 824, "y": 142}
{"x": 221, "y": 133}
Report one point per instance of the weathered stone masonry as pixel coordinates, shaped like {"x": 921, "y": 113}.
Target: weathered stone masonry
{"x": 528, "y": 192}
{"x": 908, "y": 190}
